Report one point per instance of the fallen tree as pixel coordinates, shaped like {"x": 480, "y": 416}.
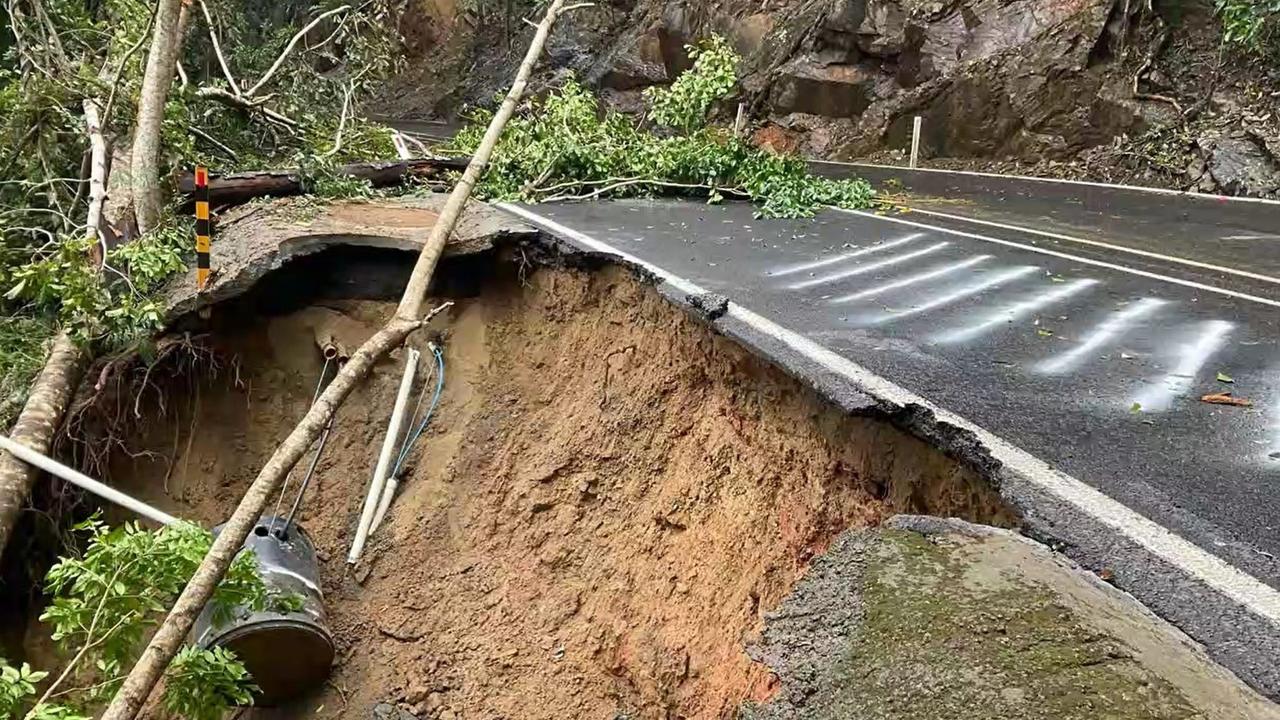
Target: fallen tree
{"x": 142, "y": 679}
{"x": 243, "y": 186}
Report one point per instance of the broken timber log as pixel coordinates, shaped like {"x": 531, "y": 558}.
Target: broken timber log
{"x": 240, "y": 187}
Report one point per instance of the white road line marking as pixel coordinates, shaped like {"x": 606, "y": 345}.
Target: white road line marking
{"x": 1237, "y": 585}
{"x": 1109, "y": 246}
{"x": 1015, "y": 312}
{"x": 964, "y": 292}
{"x": 1075, "y": 258}
{"x": 1058, "y": 181}
{"x": 1251, "y": 237}
{"x": 912, "y": 280}
{"x": 1194, "y": 355}
{"x": 845, "y": 256}
{"x": 864, "y": 269}
{"x": 1115, "y": 323}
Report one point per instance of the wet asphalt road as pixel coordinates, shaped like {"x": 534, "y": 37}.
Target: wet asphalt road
{"x": 1092, "y": 360}
{"x": 1204, "y": 228}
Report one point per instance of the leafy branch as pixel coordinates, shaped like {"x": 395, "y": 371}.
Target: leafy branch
{"x": 103, "y": 603}
{"x": 564, "y": 147}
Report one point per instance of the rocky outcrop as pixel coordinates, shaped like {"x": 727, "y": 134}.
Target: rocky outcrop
{"x": 1086, "y": 88}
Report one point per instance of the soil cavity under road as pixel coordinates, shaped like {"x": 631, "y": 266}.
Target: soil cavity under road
{"x": 609, "y": 501}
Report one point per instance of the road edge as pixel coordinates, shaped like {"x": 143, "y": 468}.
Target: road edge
{"x": 1231, "y": 613}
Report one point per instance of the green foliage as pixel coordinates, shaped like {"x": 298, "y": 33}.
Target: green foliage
{"x": 285, "y": 603}
{"x": 312, "y": 87}
{"x": 1251, "y": 24}
{"x": 88, "y": 50}
{"x": 108, "y": 597}
{"x": 564, "y": 147}
{"x": 115, "y": 305}
{"x": 684, "y": 104}
{"x": 22, "y": 343}
{"x": 201, "y": 684}
{"x": 17, "y": 685}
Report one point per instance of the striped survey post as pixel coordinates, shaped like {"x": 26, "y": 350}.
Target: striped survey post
{"x": 202, "y": 227}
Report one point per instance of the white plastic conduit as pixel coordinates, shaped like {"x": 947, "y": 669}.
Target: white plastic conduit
{"x": 79, "y": 479}
{"x": 374, "y": 498}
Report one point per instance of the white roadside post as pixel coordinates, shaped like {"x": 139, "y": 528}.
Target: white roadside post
{"x": 915, "y": 140}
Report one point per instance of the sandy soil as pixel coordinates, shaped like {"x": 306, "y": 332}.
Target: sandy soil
{"x": 610, "y": 500}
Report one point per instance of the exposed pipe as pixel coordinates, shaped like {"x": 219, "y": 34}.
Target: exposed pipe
{"x": 410, "y": 438}
{"x": 79, "y": 479}
{"x": 374, "y": 497}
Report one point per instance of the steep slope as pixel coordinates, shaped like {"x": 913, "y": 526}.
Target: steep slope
{"x": 1098, "y": 88}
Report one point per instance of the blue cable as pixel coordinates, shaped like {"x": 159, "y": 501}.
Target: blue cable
{"x": 435, "y": 402}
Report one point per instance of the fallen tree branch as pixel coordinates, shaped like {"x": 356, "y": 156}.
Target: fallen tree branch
{"x": 50, "y": 394}
{"x": 620, "y": 183}
{"x": 416, "y": 290}
{"x": 98, "y": 157}
{"x": 275, "y": 66}
{"x": 213, "y": 141}
{"x": 173, "y": 630}
{"x": 217, "y": 49}
{"x": 245, "y": 102}
{"x": 241, "y": 187}
{"x": 342, "y": 125}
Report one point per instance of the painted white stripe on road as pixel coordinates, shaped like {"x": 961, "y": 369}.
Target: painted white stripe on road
{"x": 1068, "y": 256}
{"x": 1194, "y": 355}
{"x": 804, "y": 267}
{"x": 1015, "y": 312}
{"x": 1242, "y": 588}
{"x": 1115, "y": 323}
{"x": 1058, "y": 181}
{"x": 864, "y": 269}
{"x": 967, "y": 291}
{"x": 1109, "y": 246}
{"x": 912, "y": 280}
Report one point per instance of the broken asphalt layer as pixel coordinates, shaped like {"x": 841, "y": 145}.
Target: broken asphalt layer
{"x": 1072, "y": 381}
{"x": 252, "y": 240}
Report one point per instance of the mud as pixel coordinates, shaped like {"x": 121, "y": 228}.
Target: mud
{"x": 610, "y": 500}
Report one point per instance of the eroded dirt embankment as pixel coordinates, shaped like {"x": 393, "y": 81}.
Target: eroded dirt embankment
{"x": 610, "y": 499}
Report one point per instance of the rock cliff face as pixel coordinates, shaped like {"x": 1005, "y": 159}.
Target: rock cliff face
{"x": 1100, "y": 88}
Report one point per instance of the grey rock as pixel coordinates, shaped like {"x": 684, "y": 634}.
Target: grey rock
{"x": 387, "y": 711}
{"x": 1241, "y": 166}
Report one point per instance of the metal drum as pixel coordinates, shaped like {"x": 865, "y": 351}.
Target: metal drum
{"x": 286, "y": 652}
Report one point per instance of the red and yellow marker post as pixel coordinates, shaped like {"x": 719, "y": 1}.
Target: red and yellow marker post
{"x": 202, "y": 227}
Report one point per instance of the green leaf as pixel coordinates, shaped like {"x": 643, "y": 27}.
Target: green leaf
{"x": 1135, "y": 408}
{"x": 1225, "y": 378}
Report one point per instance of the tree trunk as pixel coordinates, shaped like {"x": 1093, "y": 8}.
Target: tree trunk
{"x": 52, "y": 390}
{"x": 164, "y": 644}
{"x": 40, "y": 418}
{"x": 243, "y": 186}
{"x": 144, "y": 176}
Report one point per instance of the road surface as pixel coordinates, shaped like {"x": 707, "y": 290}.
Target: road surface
{"x": 1079, "y": 368}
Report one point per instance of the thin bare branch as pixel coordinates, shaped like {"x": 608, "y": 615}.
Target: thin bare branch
{"x": 275, "y": 66}
{"x": 115, "y": 84}
{"x": 212, "y": 141}
{"x": 217, "y": 49}
{"x": 342, "y": 124}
